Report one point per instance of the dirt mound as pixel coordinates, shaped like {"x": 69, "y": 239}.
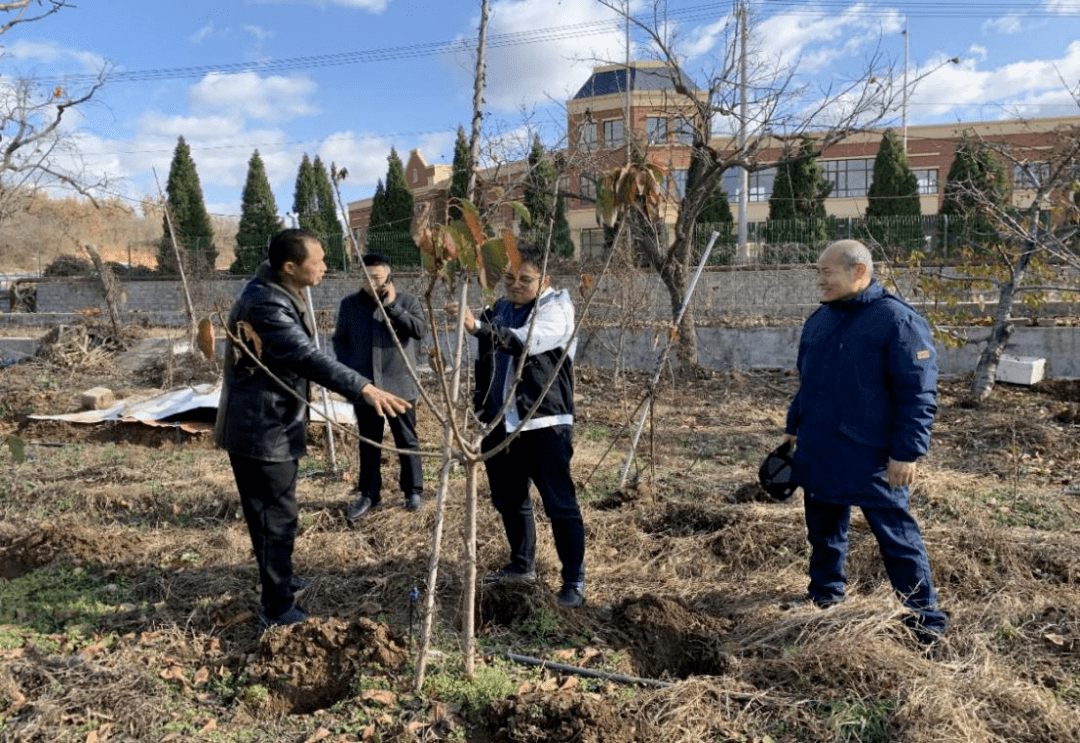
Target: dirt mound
{"x": 315, "y": 664}
{"x": 21, "y": 553}
{"x": 542, "y": 717}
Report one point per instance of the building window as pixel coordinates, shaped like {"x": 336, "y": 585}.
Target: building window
{"x": 759, "y": 184}
{"x": 684, "y": 131}
{"x": 587, "y": 137}
{"x": 613, "y": 133}
{"x": 848, "y": 177}
{"x": 927, "y": 178}
{"x": 1030, "y": 176}
{"x": 678, "y": 181}
{"x": 586, "y": 188}
{"x": 591, "y": 243}
{"x": 656, "y": 129}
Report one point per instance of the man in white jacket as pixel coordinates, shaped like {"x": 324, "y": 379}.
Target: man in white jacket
{"x": 538, "y": 420}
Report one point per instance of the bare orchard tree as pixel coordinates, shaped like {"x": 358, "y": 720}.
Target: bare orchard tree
{"x": 748, "y": 106}
{"x": 35, "y": 151}
{"x": 1032, "y": 238}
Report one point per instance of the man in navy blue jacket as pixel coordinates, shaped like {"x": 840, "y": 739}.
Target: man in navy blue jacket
{"x": 860, "y": 421}
{"x": 364, "y": 340}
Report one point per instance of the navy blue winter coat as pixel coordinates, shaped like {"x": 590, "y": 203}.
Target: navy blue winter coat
{"x": 868, "y": 393}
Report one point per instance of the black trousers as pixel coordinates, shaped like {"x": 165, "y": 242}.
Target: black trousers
{"x": 542, "y": 456}
{"x": 369, "y": 424}
{"x": 268, "y": 497}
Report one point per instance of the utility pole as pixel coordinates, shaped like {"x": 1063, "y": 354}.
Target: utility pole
{"x": 629, "y": 85}
{"x": 903, "y": 115}
{"x": 742, "y": 253}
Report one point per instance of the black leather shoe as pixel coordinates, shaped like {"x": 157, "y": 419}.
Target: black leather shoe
{"x": 414, "y": 502}
{"x": 362, "y": 505}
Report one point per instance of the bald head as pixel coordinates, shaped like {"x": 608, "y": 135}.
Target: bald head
{"x": 851, "y": 253}
{"x": 844, "y": 268}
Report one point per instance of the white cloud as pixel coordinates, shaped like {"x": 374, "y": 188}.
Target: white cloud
{"x": 249, "y": 95}
{"x": 813, "y": 42}
{"x": 363, "y": 155}
{"x": 529, "y": 72}
{"x": 1008, "y": 25}
{"x": 1064, "y": 7}
{"x": 50, "y": 52}
{"x": 972, "y": 94}
{"x": 202, "y": 34}
{"x": 259, "y": 32}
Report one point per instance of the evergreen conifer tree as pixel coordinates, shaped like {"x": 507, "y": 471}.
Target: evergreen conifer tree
{"x": 562, "y": 244}
{"x": 190, "y": 221}
{"x": 330, "y": 230}
{"x": 377, "y": 218}
{"x": 399, "y": 198}
{"x": 459, "y": 178}
{"x": 976, "y": 187}
{"x": 537, "y": 197}
{"x": 305, "y": 201}
{"x": 259, "y": 220}
{"x": 390, "y": 230}
{"x": 895, "y": 190}
{"x": 893, "y": 208}
{"x": 798, "y": 198}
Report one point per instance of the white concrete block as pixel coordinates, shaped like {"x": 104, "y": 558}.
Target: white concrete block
{"x": 1020, "y": 369}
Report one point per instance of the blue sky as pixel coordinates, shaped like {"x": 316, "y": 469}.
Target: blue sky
{"x": 348, "y": 79}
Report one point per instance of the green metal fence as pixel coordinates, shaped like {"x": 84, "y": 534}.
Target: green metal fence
{"x": 781, "y": 242}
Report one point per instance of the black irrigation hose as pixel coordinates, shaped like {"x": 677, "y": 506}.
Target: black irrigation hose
{"x": 579, "y": 671}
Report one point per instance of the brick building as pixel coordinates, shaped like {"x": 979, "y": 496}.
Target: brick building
{"x": 642, "y": 98}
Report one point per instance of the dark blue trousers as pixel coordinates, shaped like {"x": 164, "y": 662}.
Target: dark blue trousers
{"x": 902, "y": 551}
{"x": 369, "y": 424}
{"x": 542, "y": 456}
{"x": 268, "y": 498}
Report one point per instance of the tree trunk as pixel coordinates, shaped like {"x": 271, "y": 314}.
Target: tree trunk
{"x": 478, "y": 101}
{"x": 110, "y": 288}
{"x": 982, "y": 383}
{"x": 468, "y": 608}
{"x": 676, "y": 279}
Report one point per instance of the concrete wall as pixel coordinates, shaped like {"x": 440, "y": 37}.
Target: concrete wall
{"x": 626, "y": 318}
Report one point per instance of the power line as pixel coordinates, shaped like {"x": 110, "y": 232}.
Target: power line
{"x": 822, "y": 8}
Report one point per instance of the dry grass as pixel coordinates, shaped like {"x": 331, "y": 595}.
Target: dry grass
{"x": 690, "y": 572}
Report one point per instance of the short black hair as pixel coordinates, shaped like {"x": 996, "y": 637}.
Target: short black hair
{"x": 533, "y": 257}
{"x": 289, "y": 245}
{"x": 376, "y": 259}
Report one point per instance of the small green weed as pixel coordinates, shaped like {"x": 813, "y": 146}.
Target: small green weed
{"x": 860, "y": 720}
{"x": 54, "y": 599}
{"x": 492, "y": 681}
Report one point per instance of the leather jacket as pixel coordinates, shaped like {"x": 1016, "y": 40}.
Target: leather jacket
{"x": 256, "y": 417}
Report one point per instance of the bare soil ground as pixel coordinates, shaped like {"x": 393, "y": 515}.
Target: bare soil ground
{"x": 128, "y": 590}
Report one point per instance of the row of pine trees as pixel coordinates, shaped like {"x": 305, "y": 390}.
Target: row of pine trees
{"x": 797, "y": 200}
{"x": 187, "y": 220}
